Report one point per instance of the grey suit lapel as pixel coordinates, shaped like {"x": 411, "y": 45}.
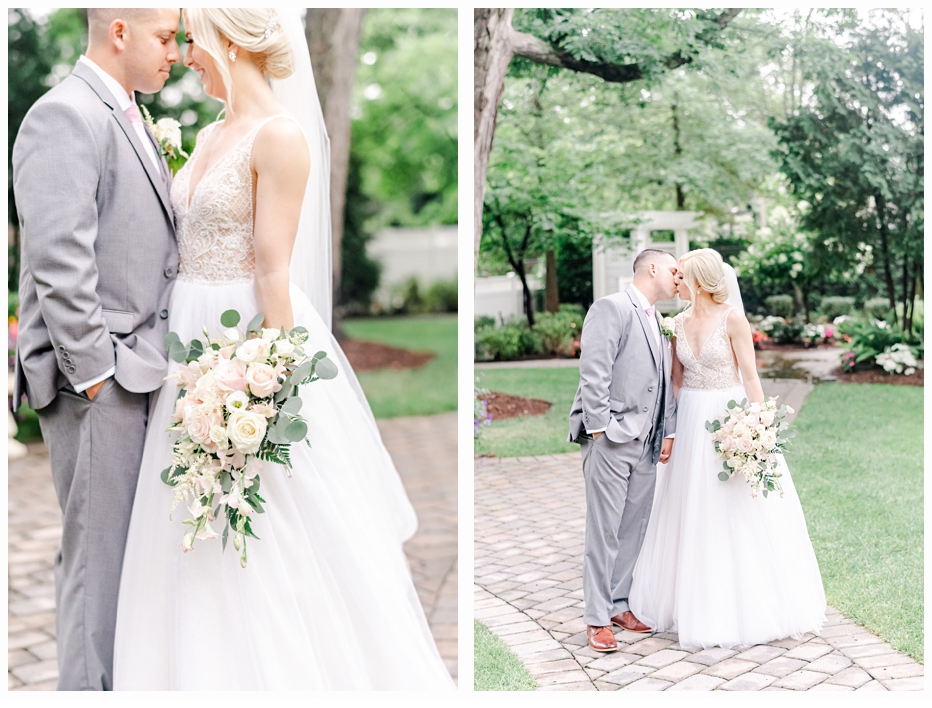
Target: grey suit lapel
{"x": 160, "y": 185}
{"x": 645, "y": 325}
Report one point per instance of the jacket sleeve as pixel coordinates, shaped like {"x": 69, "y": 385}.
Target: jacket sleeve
{"x": 603, "y": 330}
{"x": 56, "y": 170}
{"x": 669, "y": 417}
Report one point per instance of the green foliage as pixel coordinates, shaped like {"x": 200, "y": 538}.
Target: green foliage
{"x": 870, "y": 338}
{"x": 496, "y": 667}
{"x": 878, "y": 308}
{"x": 359, "y": 274}
{"x": 835, "y": 306}
{"x": 780, "y": 305}
{"x": 858, "y": 466}
{"x": 483, "y": 321}
{"x": 404, "y": 132}
{"x": 441, "y": 296}
{"x": 507, "y": 342}
{"x": 559, "y": 331}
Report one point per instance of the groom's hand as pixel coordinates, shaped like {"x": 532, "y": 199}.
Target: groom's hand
{"x": 92, "y": 391}
{"x": 665, "y": 449}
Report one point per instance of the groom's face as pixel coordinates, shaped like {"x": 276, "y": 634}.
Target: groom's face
{"x": 149, "y": 49}
{"x": 666, "y": 277}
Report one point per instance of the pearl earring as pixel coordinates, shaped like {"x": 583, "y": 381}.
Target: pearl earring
{"x": 232, "y": 55}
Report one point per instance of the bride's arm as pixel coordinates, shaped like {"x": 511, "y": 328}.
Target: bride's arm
{"x": 742, "y": 343}
{"x": 676, "y": 370}
{"x": 282, "y": 164}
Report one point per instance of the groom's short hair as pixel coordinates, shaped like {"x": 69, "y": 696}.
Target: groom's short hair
{"x": 648, "y": 256}
{"x": 99, "y": 19}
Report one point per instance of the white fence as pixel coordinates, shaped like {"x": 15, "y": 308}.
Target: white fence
{"x": 427, "y": 254}
{"x": 501, "y": 296}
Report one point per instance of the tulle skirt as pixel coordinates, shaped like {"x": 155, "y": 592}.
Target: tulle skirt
{"x": 717, "y": 566}
{"x": 326, "y": 600}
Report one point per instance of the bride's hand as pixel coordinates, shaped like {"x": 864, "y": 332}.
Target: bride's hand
{"x": 666, "y": 450}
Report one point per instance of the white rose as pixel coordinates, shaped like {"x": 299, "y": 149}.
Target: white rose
{"x": 168, "y": 129}
{"x": 768, "y": 440}
{"x": 237, "y": 401}
{"x": 262, "y": 380}
{"x": 249, "y": 350}
{"x": 767, "y": 418}
{"x": 218, "y": 434}
{"x": 246, "y": 431}
{"x": 754, "y": 408}
{"x": 231, "y": 334}
{"x": 744, "y": 444}
{"x": 284, "y": 348}
{"x": 269, "y": 334}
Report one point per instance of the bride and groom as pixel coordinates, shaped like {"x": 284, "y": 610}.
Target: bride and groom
{"x": 115, "y": 255}
{"x": 674, "y": 549}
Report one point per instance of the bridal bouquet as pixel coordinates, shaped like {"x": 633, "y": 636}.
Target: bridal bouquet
{"x": 750, "y": 438}
{"x": 238, "y": 405}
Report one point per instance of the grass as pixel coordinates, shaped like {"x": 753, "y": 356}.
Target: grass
{"x": 857, "y": 464}
{"x": 496, "y": 666}
{"x": 426, "y": 390}
{"x": 531, "y": 435}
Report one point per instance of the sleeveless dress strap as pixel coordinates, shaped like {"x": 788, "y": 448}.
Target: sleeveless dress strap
{"x": 253, "y": 134}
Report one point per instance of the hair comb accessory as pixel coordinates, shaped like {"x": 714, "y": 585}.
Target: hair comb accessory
{"x": 270, "y": 27}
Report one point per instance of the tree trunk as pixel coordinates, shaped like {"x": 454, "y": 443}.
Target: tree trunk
{"x": 333, "y": 41}
{"x": 552, "y": 291}
{"x": 492, "y": 54}
{"x": 885, "y": 251}
{"x": 677, "y": 151}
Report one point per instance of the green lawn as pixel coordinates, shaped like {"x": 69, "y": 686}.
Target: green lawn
{"x": 857, "y": 463}
{"x": 496, "y": 666}
{"x": 426, "y": 390}
{"x": 531, "y": 435}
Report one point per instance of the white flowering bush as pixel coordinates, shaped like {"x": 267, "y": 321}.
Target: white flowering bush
{"x": 898, "y": 359}
{"x": 749, "y": 439}
{"x": 237, "y": 405}
{"x": 769, "y": 323}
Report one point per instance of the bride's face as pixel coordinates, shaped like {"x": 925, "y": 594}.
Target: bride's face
{"x": 204, "y": 66}
{"x": 681, "y": 288}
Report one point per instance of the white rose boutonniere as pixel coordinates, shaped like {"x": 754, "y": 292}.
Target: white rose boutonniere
{"x": 666, "y": 327}
{"x": 167, "y": 133}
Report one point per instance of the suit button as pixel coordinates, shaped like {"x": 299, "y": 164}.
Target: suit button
{"x": 645, "y": 409}
{"x": 164, "y": 314}
{"x": 70, "y": 369}
{"x": 61, "y": 347}
{"x": 68, "y": 361}
{"x": 650, "y": 388}
{"x": 169, "y": 272}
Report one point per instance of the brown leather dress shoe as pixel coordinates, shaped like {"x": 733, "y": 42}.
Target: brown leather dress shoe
{"x": 627, "y": 620}
{"x": 601, "y": 638}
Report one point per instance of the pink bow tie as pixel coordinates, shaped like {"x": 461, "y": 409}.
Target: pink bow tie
{"x": 133, "y": 113}
{"x": 650, "y": 311}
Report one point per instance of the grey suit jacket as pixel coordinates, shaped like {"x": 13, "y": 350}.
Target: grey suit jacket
{"x": 99, "y": 255}
{"x": 619, "y": 372}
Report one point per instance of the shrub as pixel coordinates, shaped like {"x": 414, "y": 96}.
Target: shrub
{"x": 780, "y": 305}
{"x": 559, "y": 330}
{"x": 510, "y": 341}
{"x": 868, "y": 340}
{"x": 12, "y": 303}
{"x": 442, "y": 297}
{"x": 483, "y": 321}
{"x": 789, "y": 332}
{"x": 833, "y": 306}
{"x": 877, "y": 308}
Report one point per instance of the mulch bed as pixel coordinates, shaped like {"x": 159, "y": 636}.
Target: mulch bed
{"x": 875, "y": 376}
{"x": 368, "y": 356}
{"x": 501, "y": 405}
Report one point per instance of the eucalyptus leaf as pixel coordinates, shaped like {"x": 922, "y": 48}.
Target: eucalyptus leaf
{"x": 724, "y": 476}
{"x": 178, "y": 352}
{"x": 164, "y": 475}
{"x": 326, "y": 369}
{"x": 196, "y": 349}
{"x": 731, "y": 404}
{"x": 764, "y": 492}
{"x": 226, "y": 482}
{"x": 230, "y": 318}
{"x": 296, "y": 430}
{"x": 303, "y": 371}
{"x": 277, "y": 434}
{"x": 284, "y": 392}
{"x": 255, "y": 323}
{"x": 320, "y": 355}
{"x": 170, "y": 338}
{"x": 254, "y": 503}
{"x": 291, "y": 405}
{"x": 226, "y": 532}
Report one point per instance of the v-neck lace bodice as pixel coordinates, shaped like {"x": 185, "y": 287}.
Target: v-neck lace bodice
{"x": 714, "y": 365}
{"x": 214, "y": 226}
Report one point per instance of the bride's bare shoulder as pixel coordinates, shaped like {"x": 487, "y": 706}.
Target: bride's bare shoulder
{"x": 281, "y": 146}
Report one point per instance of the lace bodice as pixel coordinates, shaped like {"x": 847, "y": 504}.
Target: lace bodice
{"x": 215, "y": 223}
{"x": 714, "y": 366}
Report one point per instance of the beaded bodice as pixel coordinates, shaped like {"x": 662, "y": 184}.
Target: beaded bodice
{"x": 214, "y": 223}
{"x": 714, "y": 366}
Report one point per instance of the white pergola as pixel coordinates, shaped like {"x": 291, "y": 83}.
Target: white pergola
{"x": 612, "y": 263}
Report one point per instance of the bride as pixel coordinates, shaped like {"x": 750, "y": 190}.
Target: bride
{"x": 717, "y": 566}
{"x": 327, "y": 600}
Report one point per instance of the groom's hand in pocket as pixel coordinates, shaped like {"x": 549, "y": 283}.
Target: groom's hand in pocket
{"x": 666, "y": 450}
{"x": 92, "y": 391}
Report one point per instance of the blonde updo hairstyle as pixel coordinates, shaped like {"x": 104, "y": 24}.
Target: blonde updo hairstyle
{"x": 245, "y": 27}
{"x": 703, "y": 268}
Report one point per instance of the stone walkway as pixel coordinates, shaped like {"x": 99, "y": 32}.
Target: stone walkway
{"x": 424, "y": 450}
{"x": 529, "y": 524}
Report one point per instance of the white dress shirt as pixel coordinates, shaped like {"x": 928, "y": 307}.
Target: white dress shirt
{"x": 655, "y": 329}
{"x": 123, "y": 100}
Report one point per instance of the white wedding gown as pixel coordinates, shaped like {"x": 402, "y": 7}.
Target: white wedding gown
{"x": 719, "y": 567}
{"x": 326, "y": 600}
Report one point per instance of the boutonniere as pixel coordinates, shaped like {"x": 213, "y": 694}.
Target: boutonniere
{"x": 167, "y": 133}
{"x": 666, "y": 327}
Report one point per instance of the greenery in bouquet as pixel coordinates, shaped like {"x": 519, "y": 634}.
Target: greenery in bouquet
{"x": 238, "y": 405}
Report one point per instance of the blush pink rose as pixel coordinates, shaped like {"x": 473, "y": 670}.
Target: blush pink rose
{"x": 744, "y": 444}
{"x": 189, "y": 374}
{"x": 178, "y": 415}
{"x": 198, "y": 426}
{"x": 230, "y": 375}
{"x": 728, "y": 443}
{"x": 767, "y": 418}
{"x": 262, "y": 380}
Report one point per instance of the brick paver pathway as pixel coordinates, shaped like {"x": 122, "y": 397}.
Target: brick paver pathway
{"x": 424, "y": 450}
{"x": 530, "y": 522}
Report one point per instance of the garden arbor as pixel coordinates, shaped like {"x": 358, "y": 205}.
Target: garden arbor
{"x": 612, "y": 263}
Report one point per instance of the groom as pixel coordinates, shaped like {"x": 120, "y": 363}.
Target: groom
{"x": 623, "y": 418}
{"x": 98, "y": 261}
